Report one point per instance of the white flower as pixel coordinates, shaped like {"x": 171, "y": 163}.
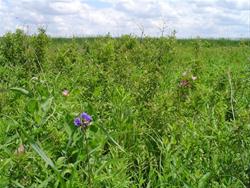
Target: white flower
{"x": 194, "y": 78}
{"x": 184, "y": 73}
{"x": 34, "y": 79}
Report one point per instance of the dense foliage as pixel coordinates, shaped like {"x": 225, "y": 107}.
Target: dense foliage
{"x": 166, "y": 112}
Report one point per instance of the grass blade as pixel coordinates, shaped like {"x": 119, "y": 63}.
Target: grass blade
{"x": 203, "y": 183}
{"x": 110, "y": 137}
{"x": 43, "y": 155}
{"x": 20, "y": 90}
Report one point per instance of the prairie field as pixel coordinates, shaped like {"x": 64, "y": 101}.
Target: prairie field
{"x": 165, "y": 112}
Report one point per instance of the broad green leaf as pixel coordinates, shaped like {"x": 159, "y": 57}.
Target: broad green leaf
{"x": 47, "y": 104}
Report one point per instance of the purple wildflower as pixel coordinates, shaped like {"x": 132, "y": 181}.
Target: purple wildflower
{"x": 77, "y": 122}
{"x": 84, "y": 120}
{"x": 86, "y": 117}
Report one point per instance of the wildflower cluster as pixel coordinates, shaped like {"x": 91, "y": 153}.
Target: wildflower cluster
{"x": 186, "y": 83}
{"x": 187, "y": 79}
{"x": 83, "y": 120}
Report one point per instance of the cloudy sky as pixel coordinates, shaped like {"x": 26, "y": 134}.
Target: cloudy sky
{"x": 190, "y": 18}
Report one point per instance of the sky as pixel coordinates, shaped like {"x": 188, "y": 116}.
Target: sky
{"x": 189, "y": 18}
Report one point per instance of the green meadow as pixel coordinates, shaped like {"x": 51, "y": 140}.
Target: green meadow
{"x": 165, "y": 112}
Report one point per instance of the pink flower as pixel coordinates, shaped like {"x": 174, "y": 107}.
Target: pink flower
{"x": 184, "y": 83}
{"x": 65, "y": 93}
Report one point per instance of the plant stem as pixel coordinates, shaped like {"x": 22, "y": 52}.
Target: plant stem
{"x": 231, "y": 94}
{"x": 88, "y": 161}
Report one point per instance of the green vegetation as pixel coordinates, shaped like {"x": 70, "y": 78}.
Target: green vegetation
{"x": 166, "y": 112}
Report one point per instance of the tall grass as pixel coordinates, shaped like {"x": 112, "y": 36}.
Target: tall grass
{"x": 166, "y": 113}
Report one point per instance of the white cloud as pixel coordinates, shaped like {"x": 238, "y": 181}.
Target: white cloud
{"x": 206, "y": 18}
